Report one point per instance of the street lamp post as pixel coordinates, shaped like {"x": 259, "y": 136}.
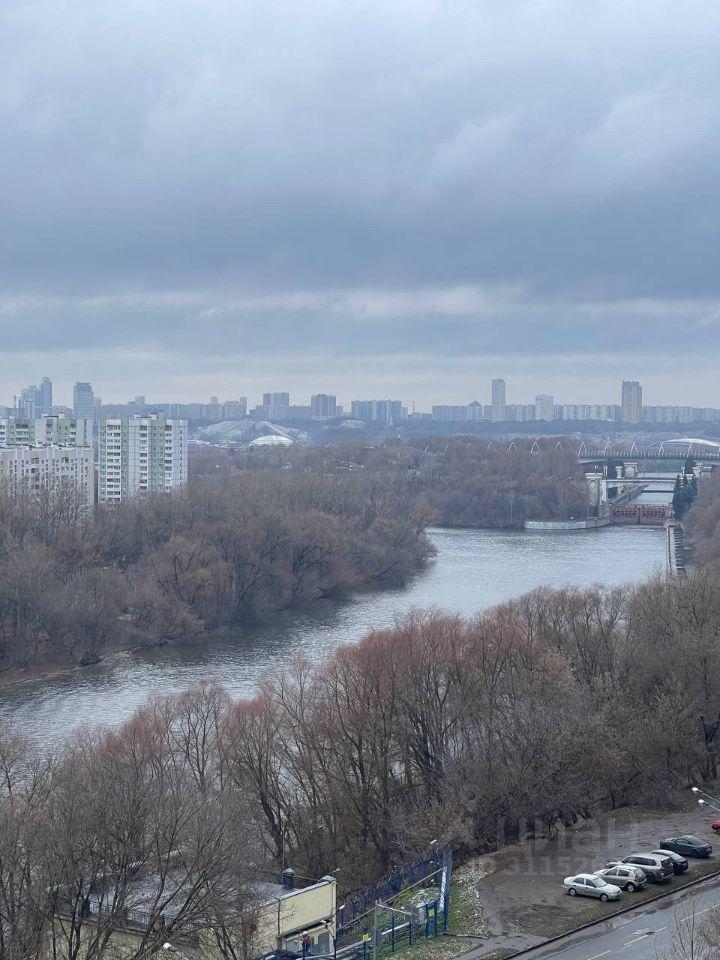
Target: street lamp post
{"x": 330, "y": 933}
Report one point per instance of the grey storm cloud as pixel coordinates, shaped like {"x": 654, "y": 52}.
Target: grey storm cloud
{"x": 421, "y": 177}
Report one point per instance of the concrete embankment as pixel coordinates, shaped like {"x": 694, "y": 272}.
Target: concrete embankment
{"x": 675, "y": 548}
{"x": 566, "y": 526}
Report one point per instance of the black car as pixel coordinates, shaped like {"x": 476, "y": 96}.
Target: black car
{"x": 679, "y": 863}
{"x": 687, "y": 846}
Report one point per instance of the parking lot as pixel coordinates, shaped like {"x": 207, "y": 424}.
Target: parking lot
{"x": 519, "y": 890}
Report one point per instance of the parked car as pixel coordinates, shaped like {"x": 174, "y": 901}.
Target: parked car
{"x": 624, "y": 875}
{"x": 688, "y": 846}
{"x": 588, "y": 885}
{"x": 655, "y": 867}
{"x": 716, "y": 826}
{"x": 679, "y": 862}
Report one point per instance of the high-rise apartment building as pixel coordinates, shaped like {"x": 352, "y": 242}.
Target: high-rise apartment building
{"x": 674, "y": 414}
{"x": 32, "y": 471}
{"x": 84, "y": 401}
{"x": 276, "y": 406}
{"x": 141, "y": 455}
{"x": 64, "y": 431}
{"x": 471, "y": 411}
{"x": 235, "y": 409}
{"x": 631, "y": 402}
{"x": 498, "y": 400}
{"x": 544, "y": 407}
{"x": 17, "y": 431}
{"x": 449, "y": 412}
{"x": 323, "y": 406}
{"x": 519, "y": 412}
{"x": 378, "y": 411}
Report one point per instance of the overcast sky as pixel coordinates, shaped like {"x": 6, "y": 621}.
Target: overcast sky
{"x": 396, "y": 198}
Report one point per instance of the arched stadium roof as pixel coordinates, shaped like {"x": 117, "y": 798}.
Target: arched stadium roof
{"x": 687, "y": 442}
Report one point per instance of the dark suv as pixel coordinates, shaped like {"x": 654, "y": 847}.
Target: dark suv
{"x": 654, "y": 866}
{"x": 687, "y": 846}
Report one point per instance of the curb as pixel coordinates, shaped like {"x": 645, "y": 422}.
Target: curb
{"x": 593, "y": 923}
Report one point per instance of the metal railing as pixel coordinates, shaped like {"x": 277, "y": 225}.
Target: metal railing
{"x": 420, "y": 923}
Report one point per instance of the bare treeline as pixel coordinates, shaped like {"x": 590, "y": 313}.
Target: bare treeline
{"x": 702, "y": 521}
{"x": 542, "y": 709}
{"x": 140, "y": 830}
{"x": 464, "y": 481}
{"x": 227, "y": 551}
{"x": 539, "y": 711}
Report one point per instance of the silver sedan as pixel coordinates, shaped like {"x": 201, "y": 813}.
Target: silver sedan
{"x": 588, "y": 885}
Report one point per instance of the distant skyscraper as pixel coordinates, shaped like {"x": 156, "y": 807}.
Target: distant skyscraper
{"x": 544, "y": 407}
{"x": 631, "y": 407}
{"x": 322, "y": 406}
{"x": 84, "y": 401}
{"x": 30, "y": 402}
{"x": 46, "y": 397}
{"x": 277, "y": 406}
{"x": 498, "y": 400}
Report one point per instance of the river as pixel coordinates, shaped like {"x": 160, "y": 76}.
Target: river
{"x": 474, "y": 569}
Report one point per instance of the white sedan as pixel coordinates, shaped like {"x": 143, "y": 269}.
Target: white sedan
{"x": 588, "y": 885}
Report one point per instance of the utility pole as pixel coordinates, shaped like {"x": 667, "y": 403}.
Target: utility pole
{"x": 375, "y": 930}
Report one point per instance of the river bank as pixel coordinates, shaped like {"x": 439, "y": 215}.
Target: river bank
{"x": 18, "y": 676}
{"x": 473, "y": 570}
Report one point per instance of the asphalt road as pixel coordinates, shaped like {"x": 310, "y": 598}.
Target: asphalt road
{"x": 638, "y": 935}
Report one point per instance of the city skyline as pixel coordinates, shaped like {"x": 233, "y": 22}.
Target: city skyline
{"x": 657, "y": 388}
{"x": 65, "y": 396}
{"x": 33, "y": 402}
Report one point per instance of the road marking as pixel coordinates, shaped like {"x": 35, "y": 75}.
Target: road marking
{"x": 698, "y": 912}
{"x": 597, "y": 955}
{"x": 636, "y": 940}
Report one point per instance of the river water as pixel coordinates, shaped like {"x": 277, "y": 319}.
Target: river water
{"x": 474, "y": 569}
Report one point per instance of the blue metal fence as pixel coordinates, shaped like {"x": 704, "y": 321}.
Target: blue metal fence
{"x": 401, "y": 929}
{"x": 398, "y": 925}
{"x": 358, "y": 904}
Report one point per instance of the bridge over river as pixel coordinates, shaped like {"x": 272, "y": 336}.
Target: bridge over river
{"x": 698, "y": 449}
